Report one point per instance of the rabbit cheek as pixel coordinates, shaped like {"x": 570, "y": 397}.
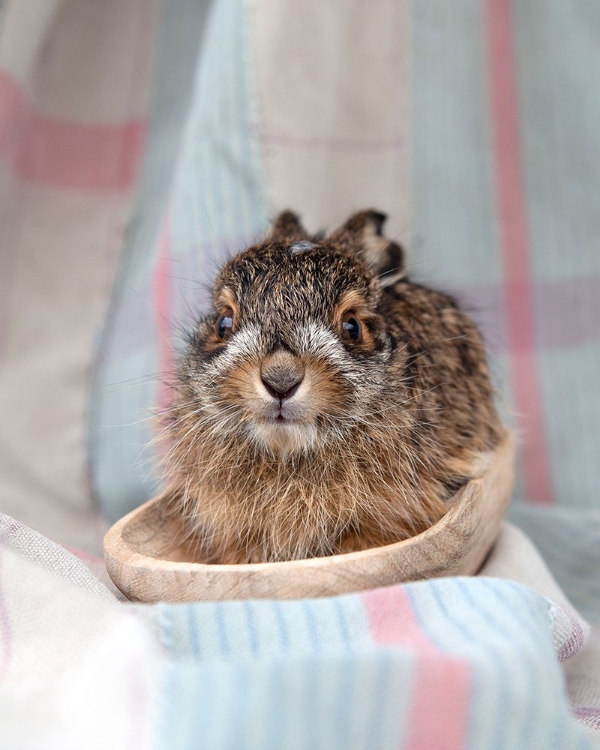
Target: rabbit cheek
{"x": 326, "y": 395}
{"x": 231, "y": 377}
{"x": 239, "y": 385}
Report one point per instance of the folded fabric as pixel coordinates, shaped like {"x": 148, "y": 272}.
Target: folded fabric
{"x": 448, "y": 663}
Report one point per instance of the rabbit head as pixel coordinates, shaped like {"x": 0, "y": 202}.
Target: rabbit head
{"x": 294, "y": 354}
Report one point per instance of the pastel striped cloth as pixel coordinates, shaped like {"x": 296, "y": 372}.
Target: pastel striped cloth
{"x": 458, "y": 663}
{"x": 142, "y": 143}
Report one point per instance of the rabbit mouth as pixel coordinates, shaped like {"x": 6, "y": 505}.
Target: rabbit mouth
{"x": 285, "y": 436}
{"x": 282, "y": 419}
{"x": 280, "y": 412}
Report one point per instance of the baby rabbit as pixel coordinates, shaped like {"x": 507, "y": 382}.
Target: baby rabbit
{"x": 328, "y": 403}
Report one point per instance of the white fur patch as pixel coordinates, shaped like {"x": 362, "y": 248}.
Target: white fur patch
{"x": 319, "y": 340}
{"x": 243, "y": 345}
{"x": 285, "y": 438}
{"x": 301, "y": 247}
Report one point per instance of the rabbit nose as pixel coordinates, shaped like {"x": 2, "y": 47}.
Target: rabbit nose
{"x": 282, "y": 385}
{"x": 282, "y": 374}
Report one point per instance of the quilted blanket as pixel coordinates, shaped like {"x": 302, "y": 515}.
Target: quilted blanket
{"x": 143, "y": 142}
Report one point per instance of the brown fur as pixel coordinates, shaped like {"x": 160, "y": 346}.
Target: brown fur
{"x": 382, "y": 430}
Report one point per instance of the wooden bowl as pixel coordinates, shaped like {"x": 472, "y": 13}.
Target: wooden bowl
{"x": 148, "y": 564}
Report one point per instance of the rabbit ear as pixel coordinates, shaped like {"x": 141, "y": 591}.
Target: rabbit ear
{"x": 287, "y": 228}
{"x": 363, "y": 234}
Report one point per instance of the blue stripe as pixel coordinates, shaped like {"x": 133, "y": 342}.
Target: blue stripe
{"x": 251, "y": 627}
{"x": 256, "y": 208}
{"x": 380, "y": 701}
{"x": 502, "y": 708}
{"x": 342, "y": 707}
{"x": 235, "y": 113}
{"x": 219, "y": 611}
{"x": 119, "y": 483}
{"x": 341, "y": 620}
{"x": 193, "y": 631}
{"x": 284, "y": 639}
{"x": 307, "y": 608}
{"x": 533, "y": 679}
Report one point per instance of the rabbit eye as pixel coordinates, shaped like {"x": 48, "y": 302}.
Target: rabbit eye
{"x": 351, "y": 328}
{"x": 224, "y": 325}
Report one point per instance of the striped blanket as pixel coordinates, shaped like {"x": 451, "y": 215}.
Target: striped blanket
{"x": 143, "y": 142}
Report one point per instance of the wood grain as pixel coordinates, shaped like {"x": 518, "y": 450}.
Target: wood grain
{"x": 148, "y": 563}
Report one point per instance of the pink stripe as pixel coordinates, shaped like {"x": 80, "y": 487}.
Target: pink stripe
{"x": 162, "y": 307}
{"x": 84, "y": 556}
{"x": 66, "y": 154}
{"x": 514, "y": 243}
{"x": 441, "y": 689}
{"x": 575, "y": 643}
{"x": 588, "y": 715}
{"x": 567, "y": 312}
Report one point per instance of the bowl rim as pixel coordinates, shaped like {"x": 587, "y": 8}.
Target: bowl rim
{"x": 113, "y": 538}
